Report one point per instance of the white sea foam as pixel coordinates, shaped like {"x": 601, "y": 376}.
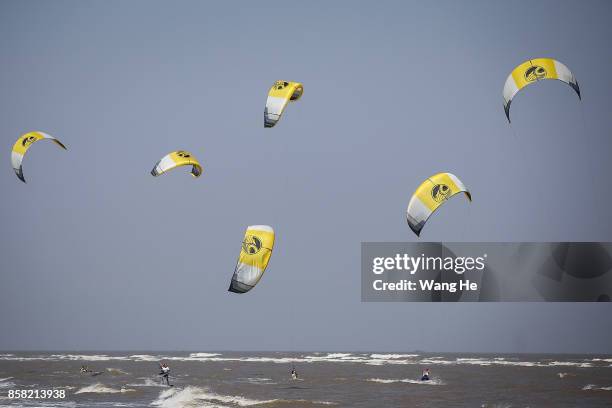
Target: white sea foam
{"x": 569, "y": 364}
{"x": 88, "y": 357}
{"x": 196, "y": 396}
{"x": 196, "y": 357}
{"x": 376, "y": 359}
{"x": 10, "y": 357}
{"x": 203, "y": 355}
{"x": 99, "y": 388}
{"x": 41, "y": 404}
{"x": 144, "y": 357}
{"x": 117, "y": 371}
{"x": 59, "y": 357}
{"x": 596, "y": 388}
{"x": 392, "y": 356}
{"x": 6, "y": 383}
{"x": 433, "y": 381}
{"x": 338, "y": 355}
{"x": 316, "y": 358}
{"x": 503, "y": 362}
{"x": 257, "y": 380}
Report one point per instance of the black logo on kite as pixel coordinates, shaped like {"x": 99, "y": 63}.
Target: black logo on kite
{"x": 278, "y": 85}
{"x": 183, "y": 154}
{"x": 535, "y": 72}
{"x": 28, "y": 141}
{"x": 251, "y": 244}
{"x": 440, "y": 192}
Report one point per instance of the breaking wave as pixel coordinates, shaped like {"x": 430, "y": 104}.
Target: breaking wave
{"x": 200, "y": 397}
{"x": 374, "y": 359}
{"x": 392, "y": 356}
{"x": 60, "y": 357}
{"x": 99, "y": 388}
{"x": 6, "y": 383}
{"x": 606, "y": 360}
{"x": 596, "y": 388}
{"x": 501, "y": 361}
{"x": 433, "y": 381}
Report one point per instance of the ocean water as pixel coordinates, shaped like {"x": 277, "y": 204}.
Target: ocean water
{"x": 229, "y": 379}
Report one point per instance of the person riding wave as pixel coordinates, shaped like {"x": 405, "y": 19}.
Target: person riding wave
{"x": 294, "y": 374}
{"x": 425, "y": 376}
{"x": 165, "y": 373}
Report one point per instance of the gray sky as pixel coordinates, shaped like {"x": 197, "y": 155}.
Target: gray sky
{"x": 97, "y": 254}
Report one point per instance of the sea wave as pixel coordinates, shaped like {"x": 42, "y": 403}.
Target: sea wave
{"x": 433, "y": 381}
{"x": 39, "y": 404}
{"x": 203, "y": 355}
{"x": 61, "y": 357}
{"x": 256, "y": 380}
{"x": 316, "y": 358}
{"x": 144, "y": 357}
{"x": 195, "y": 396}
{"x": 483, "y": 362}
{"x": 117, "y": 371}
{"x": 99, "y": 388}
{"x": 88, "y": 357}
{"x": 596, "y": 388}
{"x": 392, "y": 356}
{"x": 374, "y": 359}
{"x": 6, "y": 383}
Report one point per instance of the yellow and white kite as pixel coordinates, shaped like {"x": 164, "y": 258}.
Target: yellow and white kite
{"x": 254, "y": 256}
{"x": 536, "y": 70}
{"x": 281, "y": 93}
{"x": 430, "y": 195}
{"x": 176, "y": 159}
{"x": 22, "y": 145}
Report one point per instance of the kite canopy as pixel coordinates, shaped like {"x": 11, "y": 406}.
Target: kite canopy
{"x": 430, "y": 195}
{"x": 177, "y": 159}
{"x": 22, "y": 145}
{"x": 253, "y": 260}
{"x": 532, "y": 71}
{"x": 278, "y": 97}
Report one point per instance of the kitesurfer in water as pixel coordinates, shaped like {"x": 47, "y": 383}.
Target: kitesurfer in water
{"x": 165, "y": 373}
{"x": 294, "y": 374}
{"x": 425, "y": 376}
